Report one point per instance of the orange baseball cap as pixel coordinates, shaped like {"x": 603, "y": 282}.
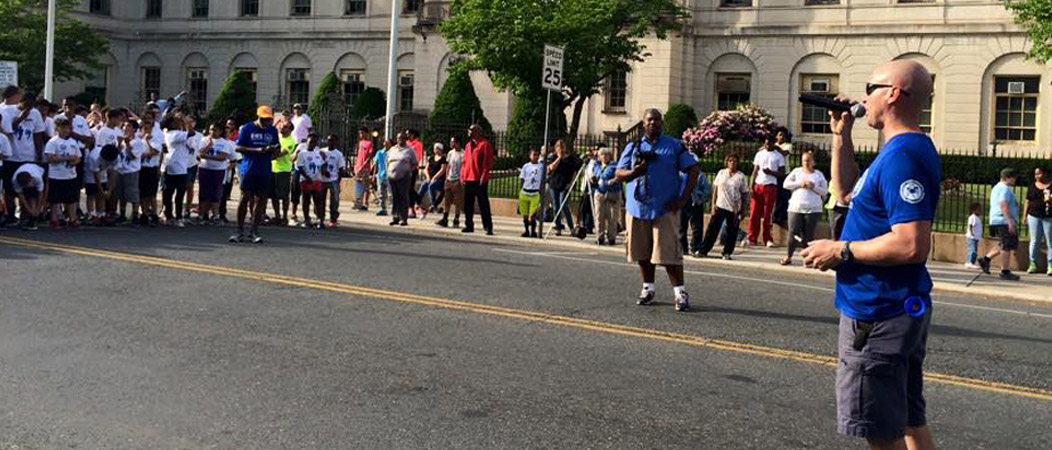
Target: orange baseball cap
{"x": 265, "y": 112}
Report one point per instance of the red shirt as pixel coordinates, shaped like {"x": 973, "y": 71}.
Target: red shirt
{"x": 365, "y": 152}
{"x": 418, "y": 147}
{"x": 478, "y": 161}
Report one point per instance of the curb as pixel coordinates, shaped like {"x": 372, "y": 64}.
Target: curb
{"x": 938, "y": 286}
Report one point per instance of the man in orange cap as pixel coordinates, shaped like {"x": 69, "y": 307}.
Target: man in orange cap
{"x": 258, "y": 143}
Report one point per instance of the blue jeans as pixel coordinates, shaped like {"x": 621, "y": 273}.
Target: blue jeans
{"x": 1040, "y": 229}
{"x": 433, "y": 191}
{"x": 558, "y": 199}
{"x": 973, "y": 250}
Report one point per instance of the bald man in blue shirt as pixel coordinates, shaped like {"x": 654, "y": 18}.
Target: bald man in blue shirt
{"x": 883, "y": 289}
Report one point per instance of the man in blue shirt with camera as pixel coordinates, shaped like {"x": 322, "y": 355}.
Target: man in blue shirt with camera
{"x": 652, "y": 166}
{"x": 883, "y": 289}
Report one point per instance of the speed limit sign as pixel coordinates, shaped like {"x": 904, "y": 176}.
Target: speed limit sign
{"x": 553, "y": 68}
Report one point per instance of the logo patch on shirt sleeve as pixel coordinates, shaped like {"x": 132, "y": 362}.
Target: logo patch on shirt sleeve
{"x": 911, "y": 191}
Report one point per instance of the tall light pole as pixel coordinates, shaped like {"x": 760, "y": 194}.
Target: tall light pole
{"x": 392, "y": 70}
{"x": 49, "y": 61}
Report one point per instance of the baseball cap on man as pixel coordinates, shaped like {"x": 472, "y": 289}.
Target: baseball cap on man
{"x": 265, "y": 112}
{"x": 1007, "y": 173}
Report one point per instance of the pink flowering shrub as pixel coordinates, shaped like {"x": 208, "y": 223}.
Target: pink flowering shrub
{"x": 747, "y": 123}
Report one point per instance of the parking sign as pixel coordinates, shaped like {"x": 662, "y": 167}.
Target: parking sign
{"x": 8, "y": 73}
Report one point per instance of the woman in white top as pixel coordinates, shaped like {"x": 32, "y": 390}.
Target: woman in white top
{"x": 730, "y": 194}
{"x": 809, "y": 187}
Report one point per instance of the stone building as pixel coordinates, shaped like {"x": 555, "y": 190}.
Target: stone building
{"x": 764, "y": 52}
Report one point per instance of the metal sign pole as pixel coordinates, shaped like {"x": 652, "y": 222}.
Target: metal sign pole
{"x": 544, "y": 165}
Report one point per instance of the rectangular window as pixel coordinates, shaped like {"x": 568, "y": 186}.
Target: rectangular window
{"x": 813, "y": 119}
{"x": 297, "y": 85}
{"x": 249, "y": 7}
{"x": 197, "y": 89}
{"x": 405, "y": 90}
{"x": 916, "y": 1}
{"x": 928, "y": 112}
{"x": 1015, "y": 108}
{"x": 301, "y": 7}
{"x": 99, "y": 7}
{"x": 151, "y": 82}
{"x": 732, "y": 89}
{"x": 200, "y": 8}
{"x": 154, "y": 9}
{"x": 253, "y": 76}
{"x": 736, "y": 3}
{"x": 821, "y": 2}
{"x": 353, "y": 85}
{"x": 411, "y": 6}
{"x": 355, "y": 7}
{"x": 617, "y": 91}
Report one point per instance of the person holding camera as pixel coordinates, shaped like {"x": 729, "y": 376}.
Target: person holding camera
{"x": 883, "y": 289}
{"x": 655, "y": 195}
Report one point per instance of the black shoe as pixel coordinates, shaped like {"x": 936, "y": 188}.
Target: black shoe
{"x": 467, "y": 230}
{"x": 489, "y": 232}
{"x": 533, "y": 234}
{"x": 1009, "y": 276}
{"x": 984, "y": 265}
{"x": 456, "y": 223}
{"x": 645, "y": 298}
{"x": 525, "y": 234}
{"x": 601, "y": 240}
{"x": 726, "y": 257}
{"x": 442, "y": 223}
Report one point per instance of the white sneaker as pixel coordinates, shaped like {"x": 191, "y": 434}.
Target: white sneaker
{"x": 770, "y": 244}
{"x": 971, "y": 266}
{"x": 180, "y": 224}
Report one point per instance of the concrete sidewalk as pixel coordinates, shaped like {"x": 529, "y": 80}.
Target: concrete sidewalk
{"x": 949, "y": 278}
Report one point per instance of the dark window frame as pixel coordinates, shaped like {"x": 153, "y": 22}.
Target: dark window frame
{"x": 299, "y": 9}
{"x": 154, "y": 9}
{"x": 200, "y": 9}
{"x": 1015, "y": 115}
{"x": 249, "y": 8}
{"x": 350, "y": 8}
{"x": 101, "y": 7}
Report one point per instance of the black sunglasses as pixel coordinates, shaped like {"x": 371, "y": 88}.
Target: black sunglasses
{"x": 872, "y": 87}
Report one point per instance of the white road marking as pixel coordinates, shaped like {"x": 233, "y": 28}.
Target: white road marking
{"x": 564, "y": 255}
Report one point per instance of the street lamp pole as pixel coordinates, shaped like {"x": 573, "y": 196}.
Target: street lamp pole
{"x": 49, "y": 62}
{"x": 392, "y": 70}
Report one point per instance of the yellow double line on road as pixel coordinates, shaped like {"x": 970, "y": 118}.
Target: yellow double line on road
{"x": 533, "y": 316}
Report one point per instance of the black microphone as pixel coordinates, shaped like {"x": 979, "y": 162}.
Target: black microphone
{"x": 856, "y": 109}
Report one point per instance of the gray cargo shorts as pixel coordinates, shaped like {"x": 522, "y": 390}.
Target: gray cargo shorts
{"x": 880, "y": 389}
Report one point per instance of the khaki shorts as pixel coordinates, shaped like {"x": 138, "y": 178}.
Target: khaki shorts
{"x": 656, "y": 240}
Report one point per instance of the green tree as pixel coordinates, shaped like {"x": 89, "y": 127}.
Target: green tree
{"x": 1036, "y": 17}
{"x": 458, "y": 105}
{"x": 237, "y": 99}
{"x": 678, "y": 118}
{"x": 23, "y": 39}
{"x": 505, "y": 38}
{"x": 526, "y": 127}
{"x": 371, "y": 104}
{"x": 329, "y": 95}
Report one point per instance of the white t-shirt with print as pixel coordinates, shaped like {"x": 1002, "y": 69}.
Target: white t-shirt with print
{"x": 975, "y": 227}
{"x": 157, "y": 144}
{"x": 334, "y": 163}
{"x": 57, "y": 146}
{"x": 36, "y": 178}
{"x": 195, "y": 142}
{"x": 178, "y": 152}
{"x": 25, "y": 149}
{"x": 770, "y": 160}
{"x": 301, "y": 127}
{"x": 220, "y": 147}
{"x": 309, "y": 163}
{"x": 530, "y": 174}
{"x": 131, "y": 164}
{"x": 93, "y": 163}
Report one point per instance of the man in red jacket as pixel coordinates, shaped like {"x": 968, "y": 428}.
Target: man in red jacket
{"x": 478, "y": 161}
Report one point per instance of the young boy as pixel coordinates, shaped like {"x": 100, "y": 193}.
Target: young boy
{"x": 530, "y": 197}
{"x": 282, "y": 168}
{"x": 129, "y": 164}
{"x": 1004, "y": 223}
{"x": 335, "y": 165}
{"x": 63, "y": 154}
{"x": 96, "y": 168}
{"x": 380, "y": 175}
{"x": 28, "y": 186}
{"x": 149, "y": 173}
{"x": 973, "y": 235}
{"x": 311, "y": 164}
{"x": 215, "y": 153}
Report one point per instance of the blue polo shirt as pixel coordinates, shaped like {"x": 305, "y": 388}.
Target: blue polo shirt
{"x": 253, "y": 135}
{"x": 604, "y": 174}
{"x": 648, "y": 194}
{"x": 901, "y": 186}
{"x": 1003, "y": 193}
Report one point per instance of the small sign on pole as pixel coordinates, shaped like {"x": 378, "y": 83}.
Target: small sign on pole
{"x": 553, "y": 68}
{"x": 8, "y": 73}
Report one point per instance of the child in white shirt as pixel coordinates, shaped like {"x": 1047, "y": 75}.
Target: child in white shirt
{"x": 335, "y": 164}
{"x": 973, "y": 235}
{"x": 530, "y": 196}
{"x": 311, "y": 164}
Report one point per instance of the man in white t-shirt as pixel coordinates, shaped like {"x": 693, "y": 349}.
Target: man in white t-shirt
{"x": 302, "y": 125}
{"x": 768, "y": 167}
{"x": 81, "y": 132}
{"x": 26, "y": 129}
{"x": 335, "y": 165}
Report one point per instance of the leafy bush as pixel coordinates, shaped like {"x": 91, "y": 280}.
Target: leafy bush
{"x": 371, "y": 104}
{"x": 747, "y": 123}
{"x": 237, "y": 99}
{"x": 526, "y": 128}
{"x": 458, "y": 106}
{"x": 328, "y": 91}
{"x": 679, "y": 118}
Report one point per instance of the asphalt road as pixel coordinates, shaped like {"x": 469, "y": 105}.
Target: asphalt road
{"x": 388, "y": 340}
